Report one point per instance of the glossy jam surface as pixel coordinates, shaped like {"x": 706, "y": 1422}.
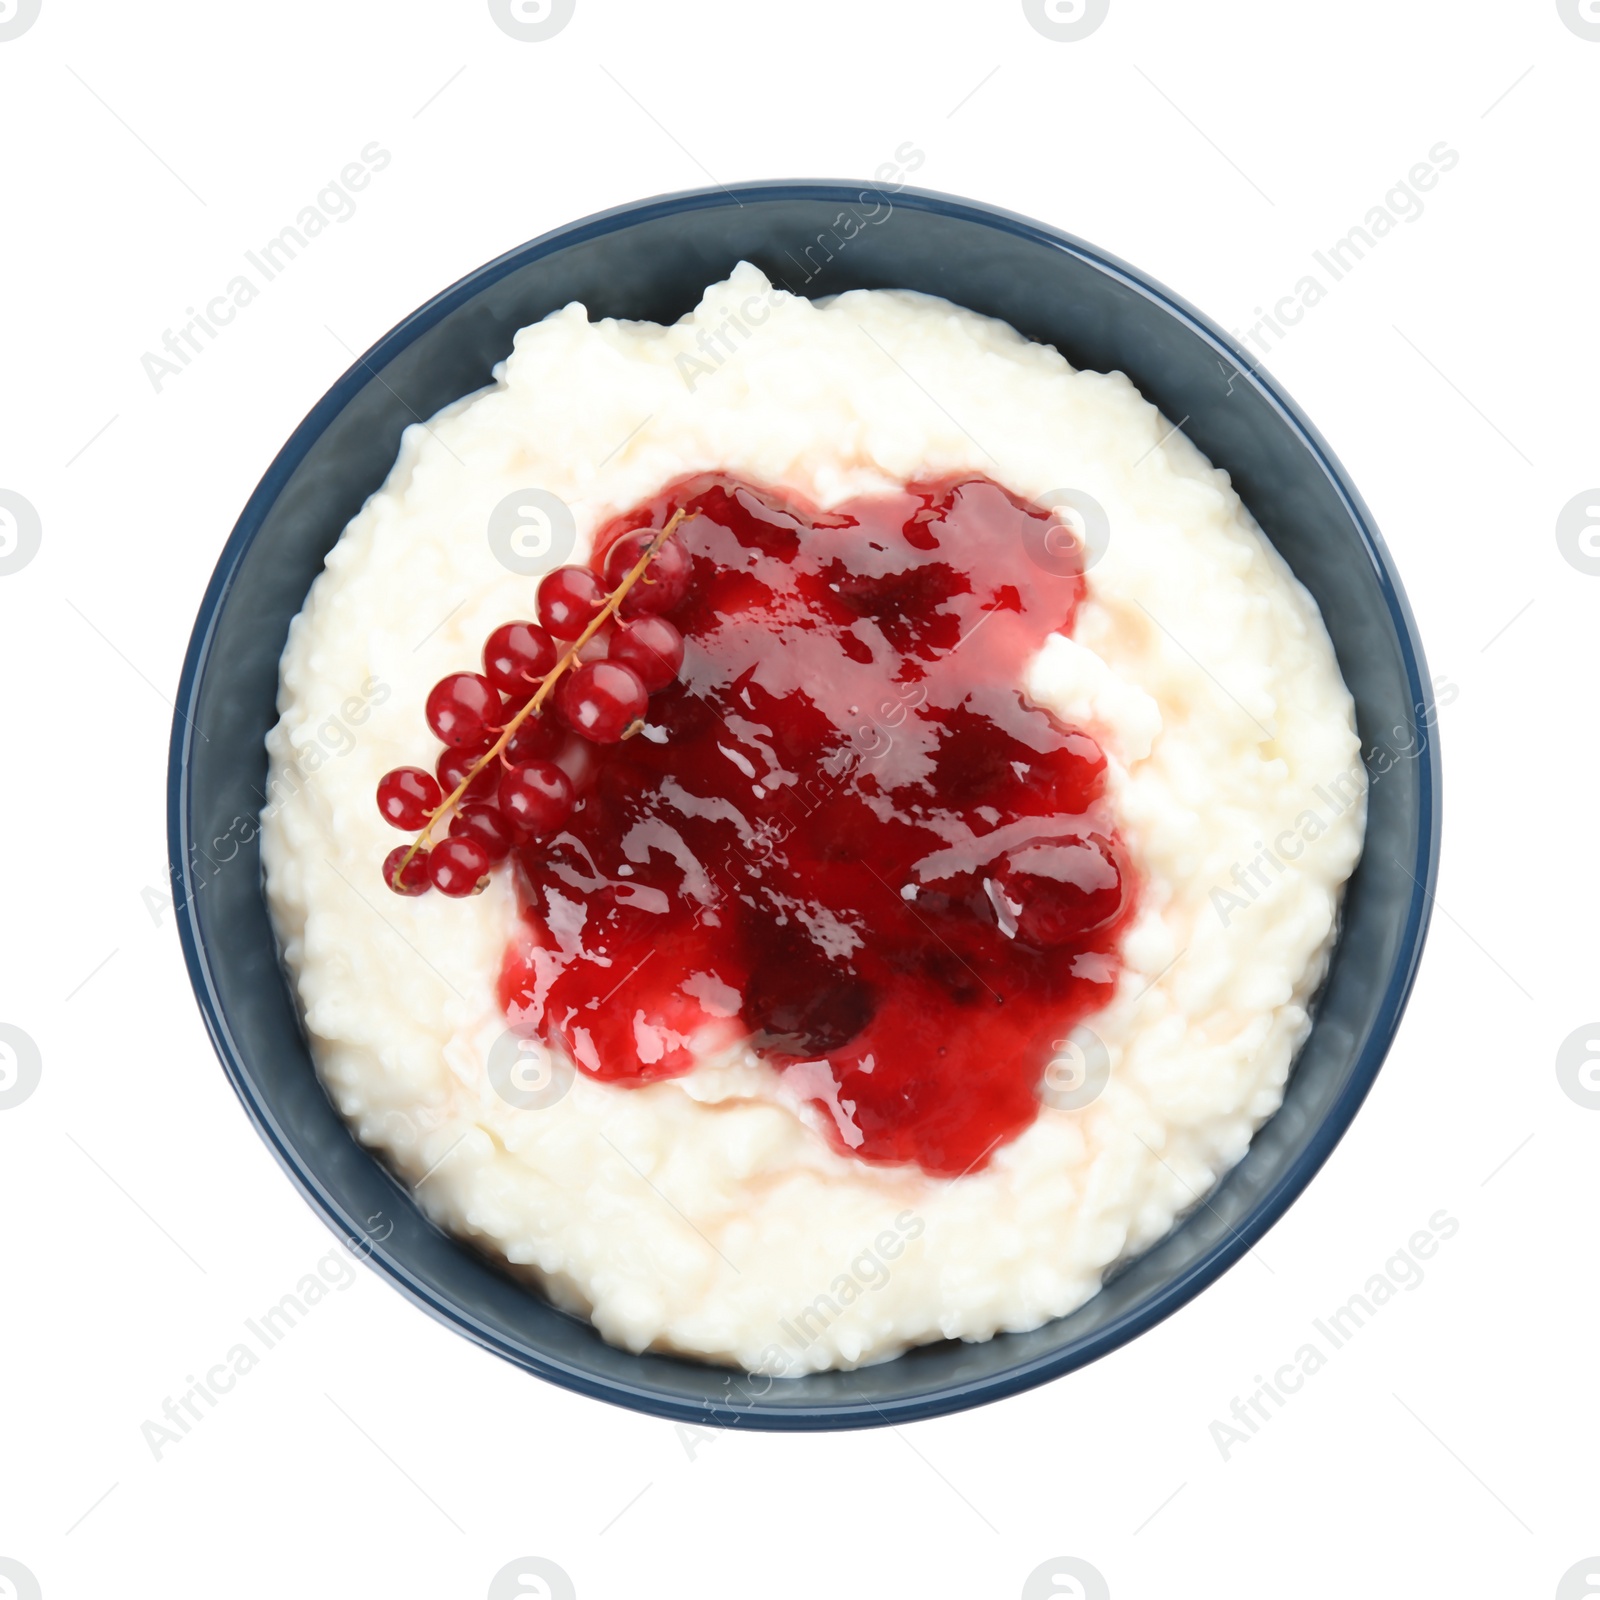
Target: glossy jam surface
{"x": 844, "y": 836}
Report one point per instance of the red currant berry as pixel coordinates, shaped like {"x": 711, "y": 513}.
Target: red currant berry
{"x": 407, "y": 797}
{"x": 652, "y": 647}
{"x": 661, "y": 586}
{"x": 598, "y": 646}
{"x": 414, "y": 879}
{"x": 459, "y": 867}
{"x": 537, "y": 738}
{"x": 537, "y": 797}
{"x": 516, "y": 657}
{"x": 570, "y": 598}
{"x": 454, "y": 765}
{"x": 601, "y": 700}
{"x": 485, "y": 824}
{"x": 463, "y": 709}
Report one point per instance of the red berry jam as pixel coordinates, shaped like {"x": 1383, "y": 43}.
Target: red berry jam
{"x": 843, "y": 835}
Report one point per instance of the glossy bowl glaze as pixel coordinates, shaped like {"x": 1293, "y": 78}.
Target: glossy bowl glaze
{"x": 652, "y": 260}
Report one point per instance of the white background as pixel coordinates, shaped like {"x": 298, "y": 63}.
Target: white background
{"x": 1448, "y": 1448}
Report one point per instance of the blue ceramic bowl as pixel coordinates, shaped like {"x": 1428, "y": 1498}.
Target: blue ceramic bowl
{"x": 652, "y": 260}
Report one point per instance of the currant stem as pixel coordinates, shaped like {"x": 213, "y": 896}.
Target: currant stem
{"x": 546, "y": 684}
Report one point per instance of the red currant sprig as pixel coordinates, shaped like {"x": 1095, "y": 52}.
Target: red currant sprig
{"x": 603, "y": 700}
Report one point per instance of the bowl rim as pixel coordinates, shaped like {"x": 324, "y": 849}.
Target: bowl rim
{"x": 643, "y": 1397}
